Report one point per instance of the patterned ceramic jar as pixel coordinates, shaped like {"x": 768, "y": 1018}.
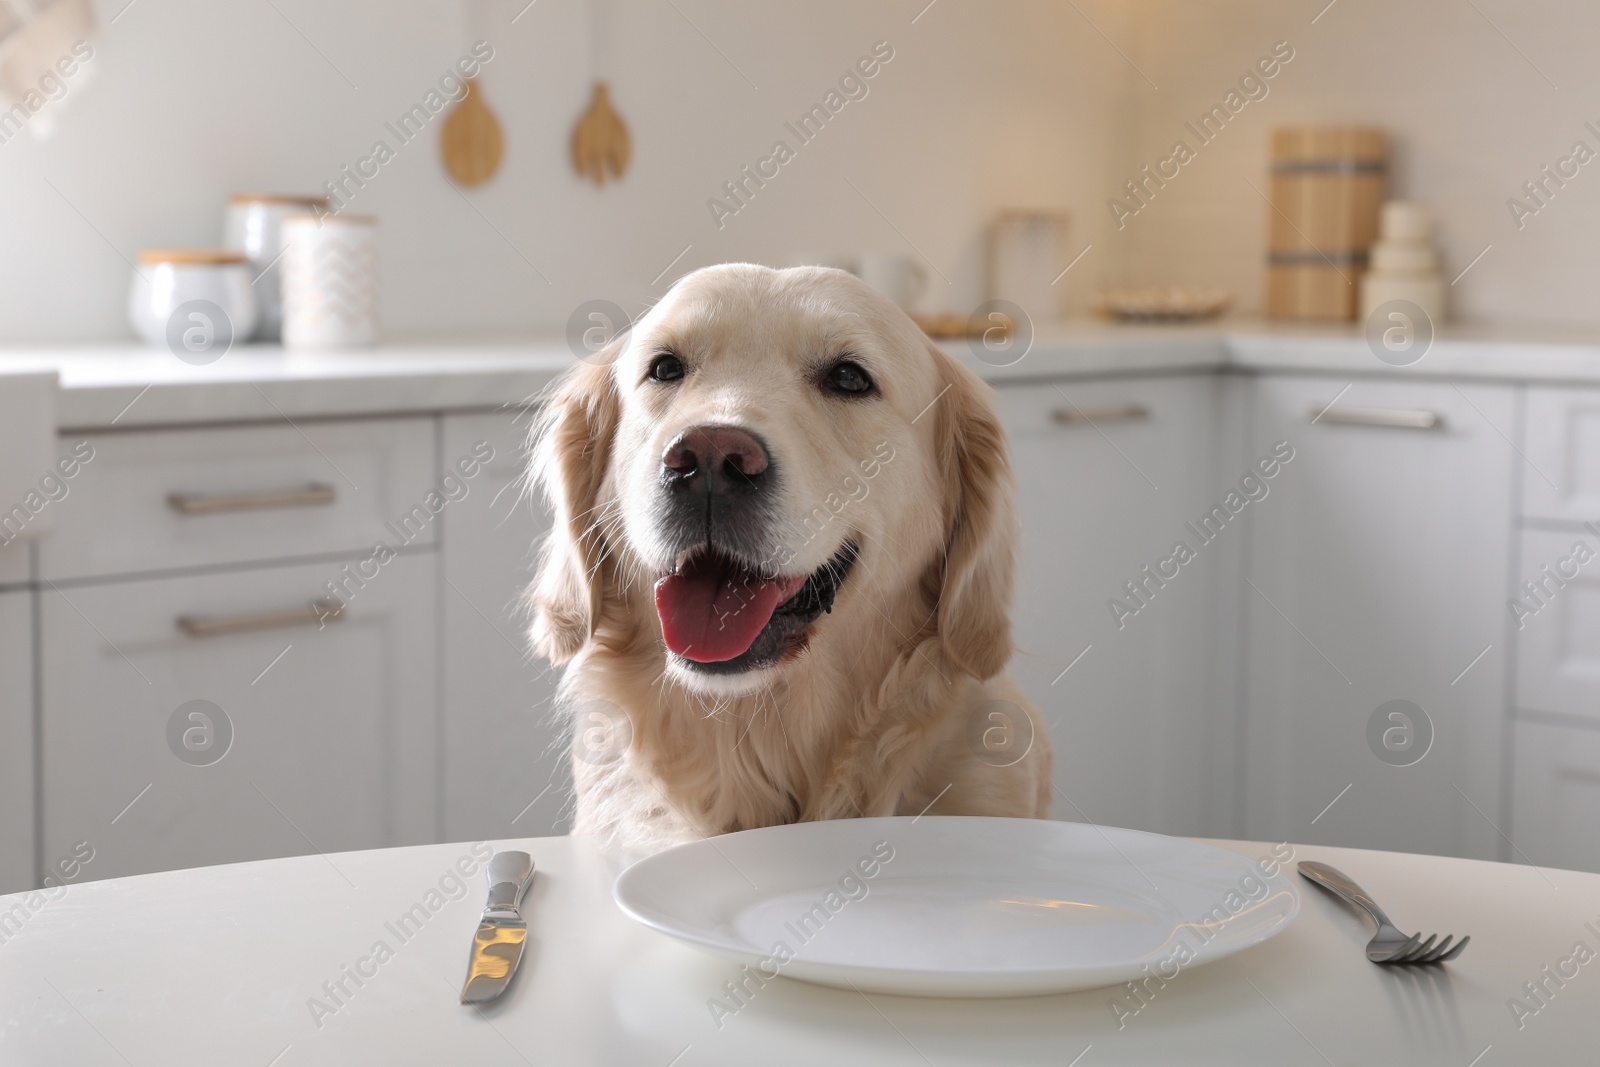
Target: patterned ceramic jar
{"x": 330, "y": 281}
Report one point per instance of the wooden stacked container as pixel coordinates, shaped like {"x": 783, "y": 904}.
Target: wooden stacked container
{"x": 1328, "y": 187}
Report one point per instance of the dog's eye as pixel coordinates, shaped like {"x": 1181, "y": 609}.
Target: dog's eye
{"x": 848, "y": 378}
{"x": 665, "y": 368}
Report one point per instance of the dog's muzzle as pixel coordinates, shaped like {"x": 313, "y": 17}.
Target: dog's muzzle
{"x": 726, "y": 605}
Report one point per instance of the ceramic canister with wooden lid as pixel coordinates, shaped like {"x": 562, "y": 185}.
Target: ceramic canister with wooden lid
{"x": 254, "y": 226}
{"x": 194, "y": 301}
{"x": 1328, "y": 186}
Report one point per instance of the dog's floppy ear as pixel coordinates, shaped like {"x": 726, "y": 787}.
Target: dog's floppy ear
{"x": 572, "y": 441}
{"x": 981, "y": 531}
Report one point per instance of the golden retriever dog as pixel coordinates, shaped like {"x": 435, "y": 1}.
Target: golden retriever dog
{"x": 781, "y": 568}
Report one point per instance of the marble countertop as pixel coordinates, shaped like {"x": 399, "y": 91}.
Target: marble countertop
{"x": 126, "y": 385}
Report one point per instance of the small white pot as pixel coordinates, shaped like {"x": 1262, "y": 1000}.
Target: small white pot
{"x": 330, "y": 281}
{"x": 194, "y": 302}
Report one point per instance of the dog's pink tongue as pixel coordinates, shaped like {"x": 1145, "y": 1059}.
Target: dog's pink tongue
{"x": 712, "y": 611}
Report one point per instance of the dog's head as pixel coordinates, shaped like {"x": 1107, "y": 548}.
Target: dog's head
{"x": 770, "y": 457}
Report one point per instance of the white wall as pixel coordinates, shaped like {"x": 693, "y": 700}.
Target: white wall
{"x": 1471, "y": 118}
{"x": 983, "y": 107}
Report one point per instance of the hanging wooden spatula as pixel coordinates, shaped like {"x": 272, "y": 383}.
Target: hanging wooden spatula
{"x": 600, "y": 140}
{"x": 471, "y": 141}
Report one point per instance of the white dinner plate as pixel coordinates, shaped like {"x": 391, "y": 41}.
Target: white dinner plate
{"x": 956, "y": 906}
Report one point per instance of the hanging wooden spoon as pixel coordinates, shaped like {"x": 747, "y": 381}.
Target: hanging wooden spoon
{"x": 471, "y": 141}
{"x": 600, "y": 140}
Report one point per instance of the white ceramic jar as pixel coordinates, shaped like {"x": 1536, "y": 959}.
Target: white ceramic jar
{"x": 194, "y": 301}
{"x": 330, "y": 281}
{"x": 254, "y": 226}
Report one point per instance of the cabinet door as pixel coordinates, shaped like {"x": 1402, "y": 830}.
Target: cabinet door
{"x": 1558, "y": 623}
{"x": 505, "y": 775}
{"x": 1108, "y": 472}
{"x": 332, "y": 726}
{"x": 16, "y": 742}
{"x": 1378, "y": 572}
{"x": 1555, "y": 788}
{"x": 1563, "y": 449}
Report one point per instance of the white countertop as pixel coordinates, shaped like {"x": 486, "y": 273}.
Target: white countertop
{"x": 125, "y": 384}
{"x": 219, "y": 965}
{"x": 133, "y": 385}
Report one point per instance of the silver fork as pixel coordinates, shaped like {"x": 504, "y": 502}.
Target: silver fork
{"x": 1388, "y": 945}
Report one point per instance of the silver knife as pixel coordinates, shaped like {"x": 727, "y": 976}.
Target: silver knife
{"x": 497, "y": 946}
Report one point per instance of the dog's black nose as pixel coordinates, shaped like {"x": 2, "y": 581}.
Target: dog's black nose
{"x": 716, "y": 459}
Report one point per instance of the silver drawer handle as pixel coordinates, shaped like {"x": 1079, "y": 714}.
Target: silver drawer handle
{"x": 212, "y": 503}
{"x": 1121, "y": 413}
{"x": 318, "y": 611}
{"x": 1394, "y": 418}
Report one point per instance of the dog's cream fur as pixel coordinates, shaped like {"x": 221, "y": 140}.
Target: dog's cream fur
{"x": 884, "y": 710}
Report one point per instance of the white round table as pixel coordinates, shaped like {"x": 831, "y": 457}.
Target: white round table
{"x": 243, "y": 965}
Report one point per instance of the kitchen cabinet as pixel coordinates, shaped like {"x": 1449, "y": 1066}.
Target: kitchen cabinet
{"x": 505, "y": 772}
{"x": 1556, "y": 796}
{"x": 1109, "y": 473}
{"x": 1563, "y": 449}
{"x": 14, "y": 564}
{"x": 16, "y": 753}
{"x": 1556, "y": 619}
{"x": 1229, "y": 693}
{"x": 1377, "y": 572}
{"x": 331, "y": 725}
{"x": 16, "y": 720}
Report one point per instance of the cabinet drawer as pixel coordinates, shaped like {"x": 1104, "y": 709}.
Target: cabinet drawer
{"x": 1563, "y": 448}
{"x": 1555, "y": 796}
{"x": 185, "y": 498}
{"x": 332, "y": 727}
{"x": 1558, "y": 620}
